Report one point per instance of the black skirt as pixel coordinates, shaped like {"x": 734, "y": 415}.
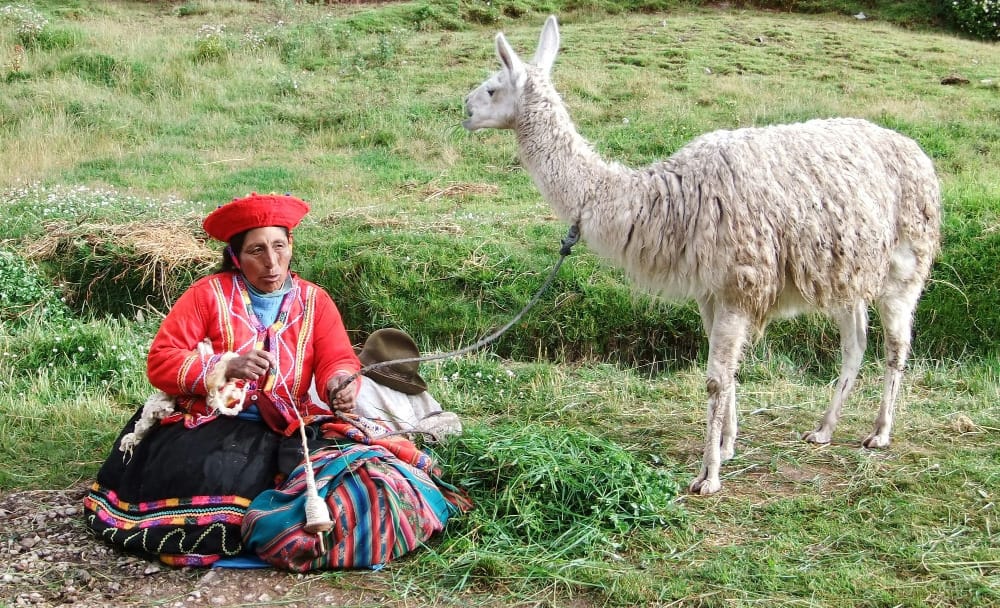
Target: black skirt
{"x": 182, "y": 493}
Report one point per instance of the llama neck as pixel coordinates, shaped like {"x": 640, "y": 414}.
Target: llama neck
{"x": 580, "y": 186}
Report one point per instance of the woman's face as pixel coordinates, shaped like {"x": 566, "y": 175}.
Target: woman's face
{"x": 265, "y": 257}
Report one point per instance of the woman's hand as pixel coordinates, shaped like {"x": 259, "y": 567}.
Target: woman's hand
{"x": 342, "y": 400}
{"x": 250, "y": 366}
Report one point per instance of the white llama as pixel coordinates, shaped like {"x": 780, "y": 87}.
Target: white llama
{"x": 753, "y": 224}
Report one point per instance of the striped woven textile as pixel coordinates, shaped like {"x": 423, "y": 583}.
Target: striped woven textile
{"x": 382, "y": 506}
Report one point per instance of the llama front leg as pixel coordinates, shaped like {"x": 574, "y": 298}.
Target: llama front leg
{"x": 729, "y": 426}
{"x": 706, "y": 308}
{"x": 725, "y": 348}
{"x": 853, "y": 325}
{"x": 897, "y": 319}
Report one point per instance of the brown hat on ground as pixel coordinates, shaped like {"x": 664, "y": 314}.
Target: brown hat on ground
{"x": 388, "y": 345}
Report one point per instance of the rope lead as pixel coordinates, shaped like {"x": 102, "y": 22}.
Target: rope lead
{"x": 571, "y": 238}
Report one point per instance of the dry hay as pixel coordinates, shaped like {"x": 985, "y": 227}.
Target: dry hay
{"x": 154, "y": 251}
{"x": 962, "y": 424}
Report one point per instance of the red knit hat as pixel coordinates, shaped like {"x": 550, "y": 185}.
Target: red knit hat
{"x": 254, "y": 211}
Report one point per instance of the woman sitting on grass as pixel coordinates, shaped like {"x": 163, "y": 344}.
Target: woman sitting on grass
{"x": 237, "y": 354}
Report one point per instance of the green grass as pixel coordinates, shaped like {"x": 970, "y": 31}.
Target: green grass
{"x": 595, "y": 401}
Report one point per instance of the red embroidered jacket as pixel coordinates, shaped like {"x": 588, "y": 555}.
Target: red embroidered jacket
{"x": 307, "y": 340}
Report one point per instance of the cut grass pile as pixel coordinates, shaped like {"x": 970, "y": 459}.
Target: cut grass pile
{"x": 551, "y": 503}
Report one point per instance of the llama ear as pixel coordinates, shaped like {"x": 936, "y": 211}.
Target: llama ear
{"x": 548, "y": 45}
{"x": 511, "y": 62}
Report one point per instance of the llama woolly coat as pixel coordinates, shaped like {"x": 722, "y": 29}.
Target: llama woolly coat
{"x": 307, "y": 339}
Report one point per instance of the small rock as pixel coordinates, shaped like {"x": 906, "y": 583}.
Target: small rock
{"x": 954, "y": 79}
{"x": 210, "y": 578}
{"x": 28, "y": 543}
{"x": 861, "y": 16}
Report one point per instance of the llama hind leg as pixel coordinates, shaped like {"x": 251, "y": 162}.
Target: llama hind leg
{"x": 897, "y": 320}
{"x": 853, "y": 325}
{"x": 725, "y": 348}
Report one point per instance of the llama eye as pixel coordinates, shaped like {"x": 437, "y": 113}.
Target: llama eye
{"x": 490, "y": 92}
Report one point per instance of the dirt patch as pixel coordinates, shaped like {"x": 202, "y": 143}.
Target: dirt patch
{"x": 50, "y": 558}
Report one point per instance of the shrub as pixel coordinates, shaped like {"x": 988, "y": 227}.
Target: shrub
{"x": 28, "y": 22}
{"x": 979, "y": 18}
{"x": 103, "y": 70}
{"x": 211, "y": 43}
{"x": 189, "y": 9}
{"x": 60, "y": 37}
{"x": 24, "y": 294}
{"x": 484, "y": 13}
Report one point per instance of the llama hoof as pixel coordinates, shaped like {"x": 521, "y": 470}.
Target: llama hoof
{"x": 875, "y": 441}
{"x": 818, "y": 436}
{"x": 705, "y": 487}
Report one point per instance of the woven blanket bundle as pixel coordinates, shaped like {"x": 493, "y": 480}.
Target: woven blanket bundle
{"x": 385, "y": 498}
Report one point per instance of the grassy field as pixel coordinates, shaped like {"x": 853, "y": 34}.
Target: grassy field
{"x": 122, "y": 123}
